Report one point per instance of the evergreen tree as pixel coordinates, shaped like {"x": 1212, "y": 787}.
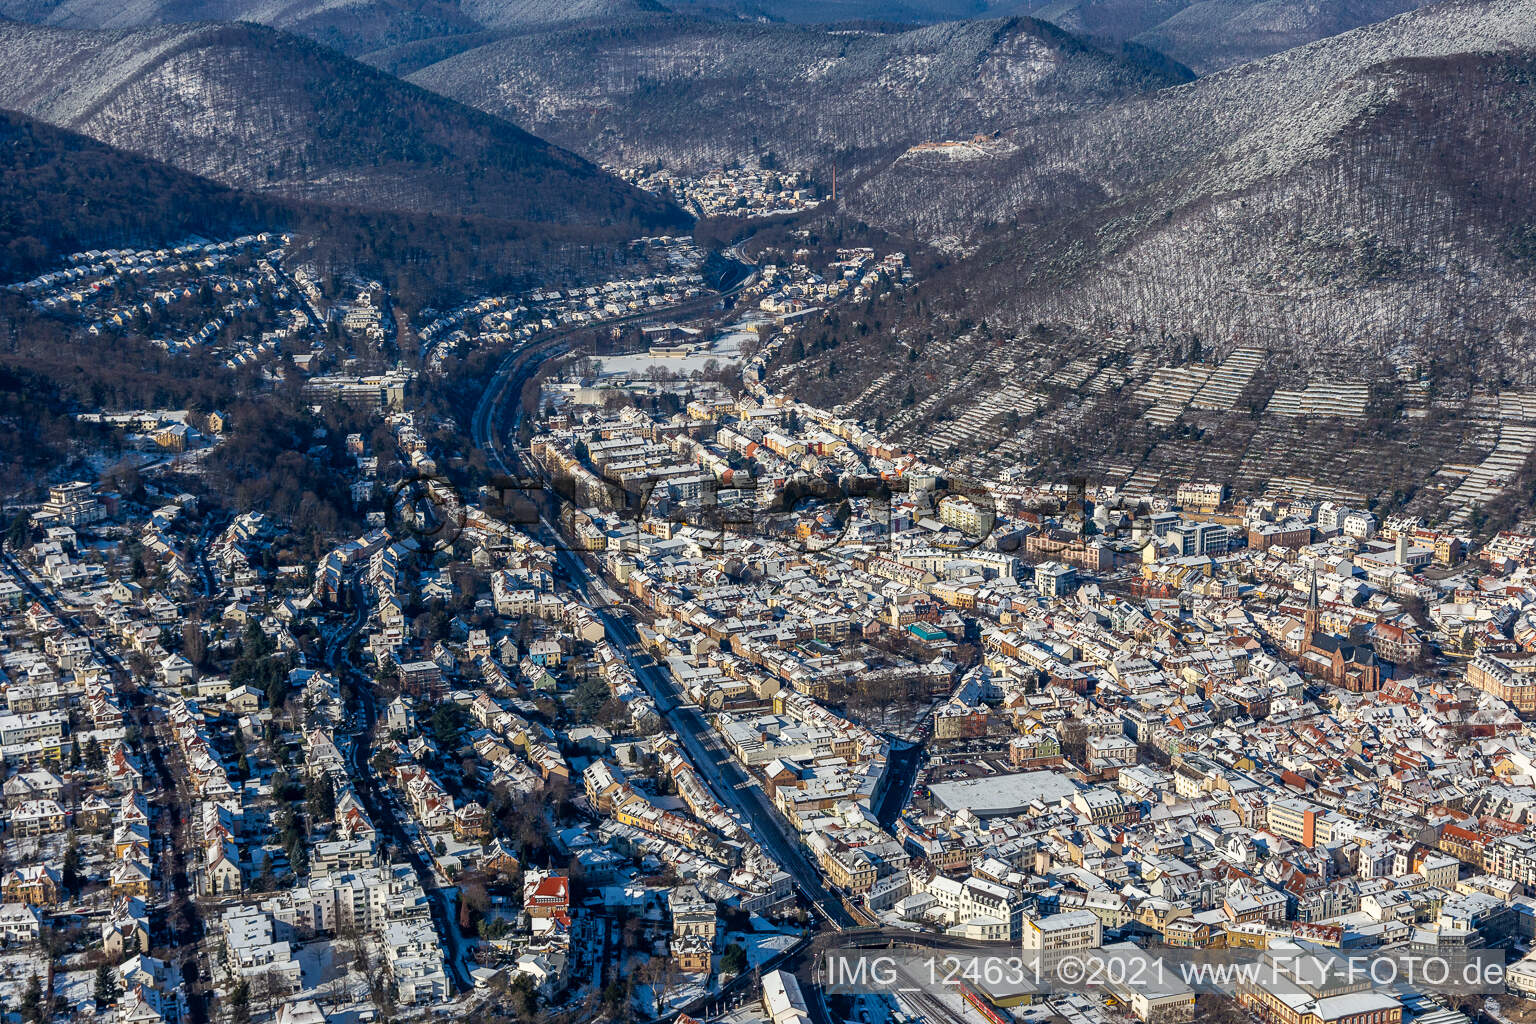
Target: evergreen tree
{"x": 106, "y": 986}
{"x": 71, "y": 875}
{"x": 95, "y": 758}
{"x": 19, "y": 532}
{"x": 240, "y": 1003}
{"x": 32, "y": 1001}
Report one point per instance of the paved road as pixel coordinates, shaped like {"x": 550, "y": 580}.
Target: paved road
{"x": 215, "y": 524}
{"x": 175, "y": 822}
{"x": 731, "y": 785}
{"x": 519, "y": 365}
{"x": 376, "y": 800}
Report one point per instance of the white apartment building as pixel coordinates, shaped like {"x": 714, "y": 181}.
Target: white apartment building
{"x": 366, "y": 900}
{"x": 1059, "y": 934}
{"x": 415, "y": 962}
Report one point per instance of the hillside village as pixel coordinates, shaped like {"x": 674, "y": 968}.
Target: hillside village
{"x": 735, "y": 192}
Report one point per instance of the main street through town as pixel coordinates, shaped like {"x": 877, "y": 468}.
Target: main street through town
{"x": 731, "y": 785}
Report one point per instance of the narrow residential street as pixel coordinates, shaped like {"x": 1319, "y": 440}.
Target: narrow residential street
{"x": 375, "y": 796}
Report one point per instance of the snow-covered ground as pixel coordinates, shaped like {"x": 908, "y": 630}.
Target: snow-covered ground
{"x": 16, "y": 970}
{"x": 724, "y": 348}
{"x": 78, "y": 990}
{"x": 681, "y": 993}
{"x": 761, "y": 945}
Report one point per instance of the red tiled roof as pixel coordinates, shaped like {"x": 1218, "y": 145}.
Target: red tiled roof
{"x": 555, "y": 889}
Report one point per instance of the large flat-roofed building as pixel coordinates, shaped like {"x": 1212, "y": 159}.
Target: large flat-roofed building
{"x": 998, "y": 795}
{"x": 1293, "y": 819}
{"x": 1054, "y": 579}
{"x": 384, "y": 390}
{"x": 32, "y": 736}
{"x": 966, "y": 515}
{"x": 1072, "y": 932}
{"x": 71, "y": 504}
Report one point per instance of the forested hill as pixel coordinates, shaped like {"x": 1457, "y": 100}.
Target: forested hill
{"x": 66, "y": 193}
{"x": 351, "y": 26}
{"x": 259, "y": 110}
{"x": 1136, "y": 163}
{"x": 697, "y": 94}
{"x": 1209, "y": 35}
{"x": 1204, "y": 34}
{"x": 1356, "y": 208}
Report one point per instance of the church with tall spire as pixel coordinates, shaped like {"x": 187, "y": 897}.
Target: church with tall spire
{"x": 1310, "y": 621}
{"x": 1341, "y": 662}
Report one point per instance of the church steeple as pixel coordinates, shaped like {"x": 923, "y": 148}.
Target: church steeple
{"x": 1311, "y": 619}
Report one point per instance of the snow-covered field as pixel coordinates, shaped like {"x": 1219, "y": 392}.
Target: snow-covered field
{"x": 724, "y": 348}
{"x": 16, "y": 970}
